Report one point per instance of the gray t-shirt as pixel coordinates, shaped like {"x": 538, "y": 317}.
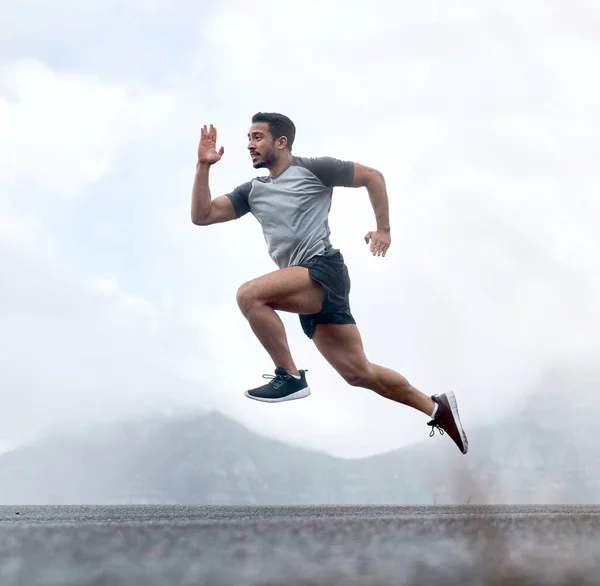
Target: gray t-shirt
{"x": 293, "y": 207}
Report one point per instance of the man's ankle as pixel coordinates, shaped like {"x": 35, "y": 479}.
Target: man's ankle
{"x": 292, "y": 371}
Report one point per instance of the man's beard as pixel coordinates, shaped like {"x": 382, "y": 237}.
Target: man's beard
{"x": 266, "y": 161}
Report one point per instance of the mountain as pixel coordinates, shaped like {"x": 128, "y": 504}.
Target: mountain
{"x": 207, "y": 458}
{"x": 544, "y": 453}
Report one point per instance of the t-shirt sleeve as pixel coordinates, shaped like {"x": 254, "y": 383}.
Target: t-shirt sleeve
{"x": 330, "y": 171}
{"x": 239, "y": 199}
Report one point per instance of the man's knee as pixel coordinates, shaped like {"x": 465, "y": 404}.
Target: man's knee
{"x": 246, "y": 297}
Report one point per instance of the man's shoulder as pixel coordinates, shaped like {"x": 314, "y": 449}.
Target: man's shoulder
{"x": 329, "y": 170}
{"x": 306, "y": 161}
{"x": 320, "y": 162}
{"x": 312, "y": 164}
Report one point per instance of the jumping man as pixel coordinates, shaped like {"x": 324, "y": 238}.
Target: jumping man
{"x": 292, "y": 204}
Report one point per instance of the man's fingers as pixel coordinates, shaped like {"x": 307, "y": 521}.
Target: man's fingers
{"x": 208, "y": 133}
{"x": 379, "y": 248}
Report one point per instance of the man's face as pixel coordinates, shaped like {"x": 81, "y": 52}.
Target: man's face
{"x": 261, "y": 145}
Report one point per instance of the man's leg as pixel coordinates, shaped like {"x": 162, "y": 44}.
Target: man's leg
{"x": 291, "y": 290}
{"x": 341, "y": 345}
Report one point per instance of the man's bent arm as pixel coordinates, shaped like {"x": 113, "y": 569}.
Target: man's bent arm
{"x": 374, "y": 181}
{"x": 205, "y": 210}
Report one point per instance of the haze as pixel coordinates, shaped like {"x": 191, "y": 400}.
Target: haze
{"x": 483, "y": 118}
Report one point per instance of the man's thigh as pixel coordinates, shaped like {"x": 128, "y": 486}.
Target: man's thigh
{"x": 290, "y": 289}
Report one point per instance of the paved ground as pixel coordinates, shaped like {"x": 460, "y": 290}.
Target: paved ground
{"x": 303, "y": 546}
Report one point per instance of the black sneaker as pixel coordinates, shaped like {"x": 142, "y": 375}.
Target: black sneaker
{"x": 282, "y": 387}
{"x": 447, "y": 420}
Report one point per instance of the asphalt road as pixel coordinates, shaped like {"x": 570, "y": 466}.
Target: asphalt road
{"x": 303, "y": 546}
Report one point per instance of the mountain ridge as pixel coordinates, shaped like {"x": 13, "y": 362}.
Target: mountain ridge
{"x": 208, "y": 458}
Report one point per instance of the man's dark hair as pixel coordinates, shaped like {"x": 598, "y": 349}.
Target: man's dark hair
{"x": 279, "y": 125}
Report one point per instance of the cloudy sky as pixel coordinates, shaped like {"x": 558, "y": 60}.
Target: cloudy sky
{"x": 482, "y": 116}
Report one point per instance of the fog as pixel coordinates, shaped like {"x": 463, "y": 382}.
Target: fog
{"x": 483, "y": 119}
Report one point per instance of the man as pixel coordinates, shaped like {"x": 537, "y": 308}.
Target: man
{"x": 292, "y": 204}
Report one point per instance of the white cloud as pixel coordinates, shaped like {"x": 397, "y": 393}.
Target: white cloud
{"x": 126, "y": 302}
{"x": 478, "y": 129}
{"x": 63, "y": 131}
{"x": 481, "y": 118}
{"x": 74, "y": 353}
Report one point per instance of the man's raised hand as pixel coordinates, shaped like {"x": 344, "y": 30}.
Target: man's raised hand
{"x": 207, "y": 149}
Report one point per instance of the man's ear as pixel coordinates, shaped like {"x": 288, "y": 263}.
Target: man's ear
{"x": 282, "y": 142}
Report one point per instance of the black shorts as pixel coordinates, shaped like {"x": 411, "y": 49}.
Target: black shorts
{"x": 332, "y": 273}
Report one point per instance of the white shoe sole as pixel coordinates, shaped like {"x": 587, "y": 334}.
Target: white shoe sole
{"x": 297, "y": 395}
{"x": 454, "y": 408}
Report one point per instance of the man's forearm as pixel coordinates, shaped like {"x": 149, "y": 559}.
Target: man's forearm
{"x": 379, "y": 200}
{"x": 201, "y": 198}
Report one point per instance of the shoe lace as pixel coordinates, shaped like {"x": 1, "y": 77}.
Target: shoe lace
{"x": 276, "y": 380}
{"x": 435, "y": 425}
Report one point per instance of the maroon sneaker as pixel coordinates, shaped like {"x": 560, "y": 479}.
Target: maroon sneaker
{"x": 447, "y": 420}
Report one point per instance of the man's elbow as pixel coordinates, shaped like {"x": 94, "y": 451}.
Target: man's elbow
{"x": 202, "y": 216}
{"x": 375, "y": 177}
{"x": 367, "y": 176}
{"x": 201, "y": 221}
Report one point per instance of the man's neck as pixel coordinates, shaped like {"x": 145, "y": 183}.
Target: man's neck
{"x": 280, "y": 165}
